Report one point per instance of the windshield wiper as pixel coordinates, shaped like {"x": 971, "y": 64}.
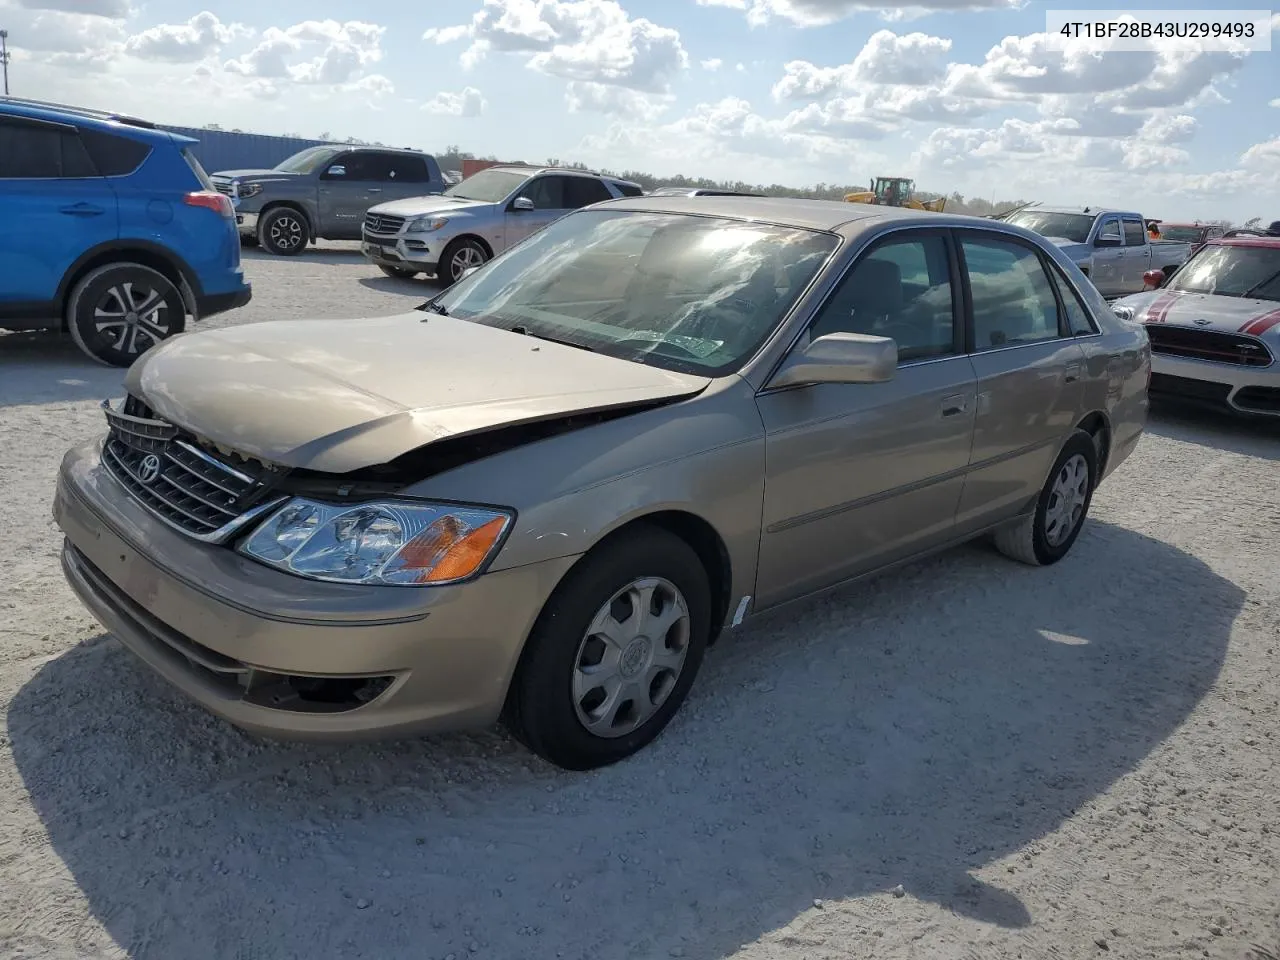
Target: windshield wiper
{"x": 526, "y": 332}
{"x": 1258, "y": 286}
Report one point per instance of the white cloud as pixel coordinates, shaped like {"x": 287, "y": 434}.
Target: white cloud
{"x": 468, "y": 102}
{"x": 114, "y": 9}
{"x": 1276, "y": 102}
{"x": 813, "y": 13}
{"x": 188, "y": 42}
{"x": 585, "y": 97}
{"x": 595, "y": 41}
{"x": 88, "y": 36}
{"x": 715, "y": 63}
{"x": 1169, "y": 129}
{"x": 1263, "y": 157}
{"x": 915, "y": 59}
{"x": 315, "y": 51}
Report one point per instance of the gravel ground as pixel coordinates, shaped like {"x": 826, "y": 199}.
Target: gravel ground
{"x": 965, "y": 758}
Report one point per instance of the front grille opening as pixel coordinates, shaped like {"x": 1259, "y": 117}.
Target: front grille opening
{"x": 1208, "y": 345}
{"x": 314, "y": 694}
{"x": 1259, "y": 399}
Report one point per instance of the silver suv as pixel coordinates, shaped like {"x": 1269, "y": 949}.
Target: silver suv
{"x": 477, "y": 219}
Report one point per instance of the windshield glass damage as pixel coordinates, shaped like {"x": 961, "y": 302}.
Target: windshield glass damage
{"x": 690, "y": 293}
{"x": 1067, "y": 226}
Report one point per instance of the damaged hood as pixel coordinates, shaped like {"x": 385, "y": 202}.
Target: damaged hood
{"x": 338, "y": 395}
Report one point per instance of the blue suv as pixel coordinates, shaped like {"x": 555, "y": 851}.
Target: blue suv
{"x": 111, "y": 230}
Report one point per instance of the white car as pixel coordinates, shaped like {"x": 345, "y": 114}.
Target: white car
{"x": 1214, "y": 326}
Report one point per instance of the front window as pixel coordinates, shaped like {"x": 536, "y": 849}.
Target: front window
{"x": 1066, "y": 226}
{"x": 487, "y": 186}
{"x": 1229, "y": 271}
{"x": 687, "y": 293}
{"x": 307, "y": 161}
{"x": 1181, "y": 234}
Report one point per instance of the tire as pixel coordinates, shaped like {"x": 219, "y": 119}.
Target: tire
{"x": 284, "y": 232}
{"x": 1045, "y": 537}
{"x": 552, "y": 698}
{"x": 458, "y": 256}
{"x": 398, "y": 273}
{"x": 103, "y": 316}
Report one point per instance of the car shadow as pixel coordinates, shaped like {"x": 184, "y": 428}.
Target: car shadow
{"x": 428, "y": 286}
{"x": 335, "y": 253}
{"x": 1211, "y": 428}
{"x": 47, "y": 367}
{"x": 912, "y": 729}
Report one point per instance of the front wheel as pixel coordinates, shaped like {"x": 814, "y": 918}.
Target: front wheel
{"x": 119, "y": 311}
{"x": 283, "y": 231}
{"x": 459, "y": 257}
{"x": 1045, "y": 536}
{"x": 614, "y": 652}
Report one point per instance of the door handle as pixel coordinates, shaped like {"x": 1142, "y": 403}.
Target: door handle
{"x": 82, "y": 210}
{"x": 954, "y": 406}
{"x": 1072, "y": 372}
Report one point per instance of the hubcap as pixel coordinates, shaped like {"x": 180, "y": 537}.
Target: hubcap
{"x": 464, "y": 260}
{"x": 631, "y": 657}
{"x": 132, "y": 317}
{"x": 1066, "y": 500}
{"x": 286, "y": 232}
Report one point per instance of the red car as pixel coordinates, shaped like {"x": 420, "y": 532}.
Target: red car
{"x": 1197, "y": 234}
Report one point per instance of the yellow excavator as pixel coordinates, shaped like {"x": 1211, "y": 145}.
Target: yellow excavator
{"x": 895, "y": 192}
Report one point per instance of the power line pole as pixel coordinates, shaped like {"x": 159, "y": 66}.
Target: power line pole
{"x": 4, "y": 58}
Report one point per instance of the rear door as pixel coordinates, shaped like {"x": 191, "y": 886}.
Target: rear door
{"x": 349, "y": 186}
{"x": 1137, "y": 254}
{"x": 1029, "y": 371}
{"x": 55, "y": 207}
{"x": 402, "y": 175}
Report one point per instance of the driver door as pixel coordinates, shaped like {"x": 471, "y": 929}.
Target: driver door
{"x": 861, "y": 475}
{"x": 1108, "y": 258}
{"x": 548, "y": 194}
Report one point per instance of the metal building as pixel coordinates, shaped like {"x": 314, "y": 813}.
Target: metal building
{"x": 226, "y": 150}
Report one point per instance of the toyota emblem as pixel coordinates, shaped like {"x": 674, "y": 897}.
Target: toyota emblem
{"x": 149, "y": 469}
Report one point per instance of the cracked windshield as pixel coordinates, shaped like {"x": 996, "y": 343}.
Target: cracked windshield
{"x": 689, "y": 293}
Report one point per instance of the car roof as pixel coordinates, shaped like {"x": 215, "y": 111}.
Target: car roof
{"x": 367, "y": 148}
{"x": 567, "y": 171}
{"x": 828, "y": 215}
{"x": 1271, "y": 243}
{"x": 104, "y": 120}
{"x": 1088, "y": 211}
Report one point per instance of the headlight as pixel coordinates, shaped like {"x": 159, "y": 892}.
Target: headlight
{"x": 246, "y": 190}
{"x": 426, "y": 224}
{"x": 395, "y": 543}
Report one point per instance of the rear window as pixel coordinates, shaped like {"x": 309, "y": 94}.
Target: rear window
{"x": 114, "y": 156}
{"x": 30, "y": 150}
{"x": 194, "y": 163}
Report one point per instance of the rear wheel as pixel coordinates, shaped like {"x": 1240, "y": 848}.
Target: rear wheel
{"x": 614, "y": 652}
{"x": 119, "y": 311}
{"x": 283, "y": 231}
{"x": 1047, "y": 535}
{"x": 399, "y": 273}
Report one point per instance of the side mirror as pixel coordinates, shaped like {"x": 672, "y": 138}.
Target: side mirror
{"x": 337, "y": 170}
{"x": 1153, "y": 279}
{"x": 840, "y": 358}
{"x": 1106, "y": 241}
{"x": 522, "y": 203}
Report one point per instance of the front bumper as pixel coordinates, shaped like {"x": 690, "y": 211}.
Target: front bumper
{"x": 415, "y": 252}
{"x": 1243, "y": 390}
{"x": 247, "y": 223}
{"x": 242, "y": 639}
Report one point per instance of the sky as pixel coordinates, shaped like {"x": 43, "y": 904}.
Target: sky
{"x": 962, "y": 95}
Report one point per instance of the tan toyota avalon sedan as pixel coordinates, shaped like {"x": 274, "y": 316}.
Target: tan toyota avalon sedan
{"x": 542, "y": 494}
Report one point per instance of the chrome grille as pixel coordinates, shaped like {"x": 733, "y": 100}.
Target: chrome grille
{"x": 382, "y": 224}
{"x": 1211, "y": 345}
{"x": 168, "y": 473}
{"x": 225, "y": 187}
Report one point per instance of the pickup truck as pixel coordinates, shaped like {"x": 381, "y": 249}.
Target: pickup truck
{"x": 323, "y": 193}
{"x": 1109, "y": 246}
